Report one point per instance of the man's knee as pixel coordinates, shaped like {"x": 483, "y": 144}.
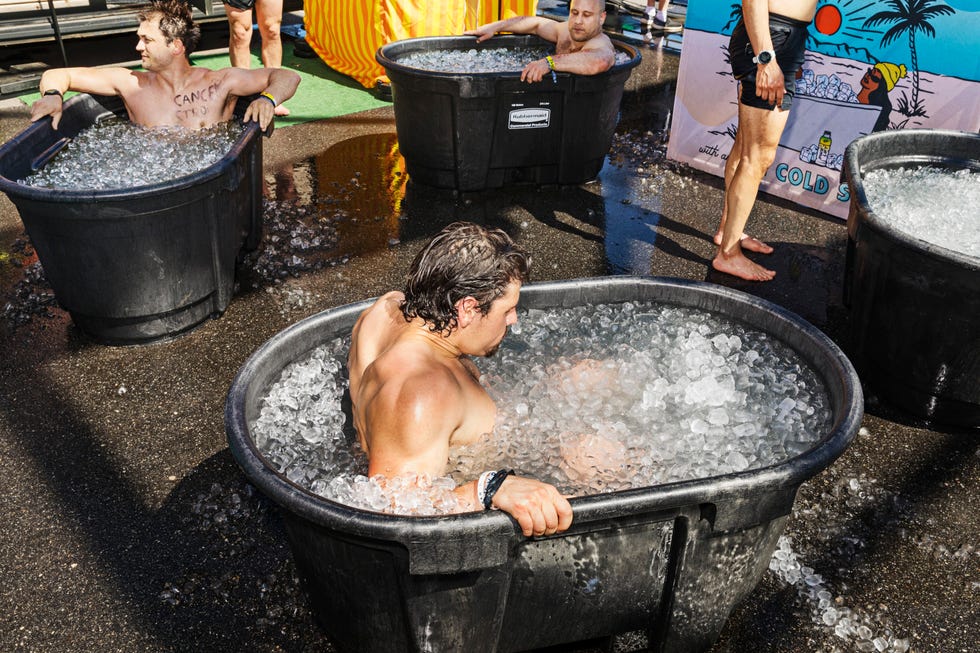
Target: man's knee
{"x": 270, "y": 28}
{"x": 241, "y": 31}
{"x": 757, "y": 158}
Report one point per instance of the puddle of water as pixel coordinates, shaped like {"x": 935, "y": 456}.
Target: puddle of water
{"x": 354, "y": 198}
{"x": 357, "y": 186}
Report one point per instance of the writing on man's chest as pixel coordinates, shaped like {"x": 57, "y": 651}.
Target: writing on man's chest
{"x": 195, "y": 103}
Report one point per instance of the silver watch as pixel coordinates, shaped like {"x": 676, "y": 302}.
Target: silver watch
{"x": 764, "y": 57}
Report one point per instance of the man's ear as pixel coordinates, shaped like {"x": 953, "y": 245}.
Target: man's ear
{"x": 467, "y": 310}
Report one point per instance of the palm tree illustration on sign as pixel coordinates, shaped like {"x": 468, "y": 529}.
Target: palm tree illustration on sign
{"x": 909, "y": 16}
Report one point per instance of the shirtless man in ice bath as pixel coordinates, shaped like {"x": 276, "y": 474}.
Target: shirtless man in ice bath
{"x": 414, "y": 390}
{"x": 766, "y": 50}
{"x": 580, "y": 45}
{"x": 170, "y": 92}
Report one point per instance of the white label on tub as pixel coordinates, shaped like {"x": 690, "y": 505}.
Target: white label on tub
{"x": 528, "y": 118}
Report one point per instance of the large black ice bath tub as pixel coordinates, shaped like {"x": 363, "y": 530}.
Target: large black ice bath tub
{"x": 673, "y": 559}
{"x": 137, "y": 265}
{"x": 914, "y": 306}
{"x": 471, "y": 131}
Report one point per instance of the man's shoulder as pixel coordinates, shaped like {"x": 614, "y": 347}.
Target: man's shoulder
{"x": 384, "y": 307}
{"x": 211, "y": 75}
{"x": 407, "y": 375}
{"x": 602, "y": 41}
{"x": 119, "y": 74}
{"x": 392, "y": 296}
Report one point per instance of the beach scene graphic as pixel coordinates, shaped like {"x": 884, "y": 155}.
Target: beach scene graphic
{"x": 869, "y": 66}
{"x": 828, "y": 101}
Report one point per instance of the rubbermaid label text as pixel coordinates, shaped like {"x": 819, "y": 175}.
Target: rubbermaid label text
{"x": 528, "y": 118}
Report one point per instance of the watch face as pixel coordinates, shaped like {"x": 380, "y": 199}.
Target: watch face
{"x": 765, "y": 56}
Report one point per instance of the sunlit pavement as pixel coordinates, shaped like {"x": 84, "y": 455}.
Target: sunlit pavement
{"x": 125, "y": 524}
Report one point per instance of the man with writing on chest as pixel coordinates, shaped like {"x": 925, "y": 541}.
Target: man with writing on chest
{"x": 170, "y": 92}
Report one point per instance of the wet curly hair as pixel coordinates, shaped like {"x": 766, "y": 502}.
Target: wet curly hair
{"x": 462, "y": 260}
{"x": 176, "y": 22}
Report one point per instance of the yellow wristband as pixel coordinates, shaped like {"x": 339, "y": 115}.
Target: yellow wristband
{"x": 551, "y": 62}
{"x": 268, "y": 96}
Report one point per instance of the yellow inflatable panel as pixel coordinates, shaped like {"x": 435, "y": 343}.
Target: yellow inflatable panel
{"x": 347, "y": 33}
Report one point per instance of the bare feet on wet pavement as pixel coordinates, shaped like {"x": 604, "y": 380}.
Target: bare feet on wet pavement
{"x": 739, "y": 266}
{"x": 748, "y": 242}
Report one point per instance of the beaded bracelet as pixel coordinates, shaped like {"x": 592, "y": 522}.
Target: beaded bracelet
{"x": 268, "y": 96}
{"x": 481, "y": 485}
{"x": 551, "y": 64}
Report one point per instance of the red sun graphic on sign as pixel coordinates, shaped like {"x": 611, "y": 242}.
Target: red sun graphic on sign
{"x": 828, "y": 19}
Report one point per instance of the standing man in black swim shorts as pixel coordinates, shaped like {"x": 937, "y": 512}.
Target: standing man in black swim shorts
{"x": 766, "y": 51}
{"x": 268, "y": 15}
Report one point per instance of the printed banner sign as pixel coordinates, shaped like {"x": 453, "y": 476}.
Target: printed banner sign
{"x": 898, "y": 64}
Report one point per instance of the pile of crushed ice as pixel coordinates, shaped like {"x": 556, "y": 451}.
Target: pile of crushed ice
{"x": 936, "y": 205}
{"x": 591, "y": 399}
{"x": 296, "y": 238}
{"x": 829, "y": 611}
{"x": 32, "y": 295}
{"x": 855, "y": 628}
{"x": 480, "y": 60}
{"x": 119, "y": 154}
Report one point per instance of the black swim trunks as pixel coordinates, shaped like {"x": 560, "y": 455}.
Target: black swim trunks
{"x": 240, "y": 4}
{"x": 788, "y": 40}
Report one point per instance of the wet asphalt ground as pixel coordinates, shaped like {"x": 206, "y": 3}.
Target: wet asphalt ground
{"x": 125, "y": 525}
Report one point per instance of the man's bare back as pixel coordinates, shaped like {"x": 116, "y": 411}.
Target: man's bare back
{"x": 414, "y": 390}
{"x": 391, "y": 361}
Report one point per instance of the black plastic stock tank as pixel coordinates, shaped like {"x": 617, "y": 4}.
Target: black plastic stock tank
{"x": 470, "y": 131}
{"x": 144, "y": 264}
{"x": 673, "y": 560}
{"x": 914, "y": 306}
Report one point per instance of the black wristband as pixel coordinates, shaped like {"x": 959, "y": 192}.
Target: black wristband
{"x": 493, "y": 485}
{"x": 54, "y": 91}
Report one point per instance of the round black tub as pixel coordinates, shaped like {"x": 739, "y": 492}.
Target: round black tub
{"x": 914, "y": 306}
{"x": 672, "y": 559}
{"x": 144, "y": 264}
{"x": 471, "y": 131}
